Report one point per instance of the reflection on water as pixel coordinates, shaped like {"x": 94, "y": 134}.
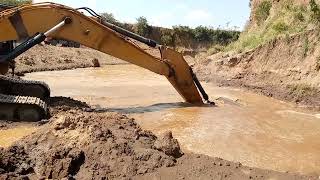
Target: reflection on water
{"x": 245, "y": 127}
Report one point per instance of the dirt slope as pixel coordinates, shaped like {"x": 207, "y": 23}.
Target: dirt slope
{"x": 80, "y": 143}
{"x": 285, "y": 68}
{"x": 46, "y": 58}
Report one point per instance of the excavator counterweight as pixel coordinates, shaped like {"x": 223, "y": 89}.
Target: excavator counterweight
{"x": 60, "y": 22}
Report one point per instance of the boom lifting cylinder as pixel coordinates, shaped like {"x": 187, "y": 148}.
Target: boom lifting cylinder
{"x": 32, "y": 41}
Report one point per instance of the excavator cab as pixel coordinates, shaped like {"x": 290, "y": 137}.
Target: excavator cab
{"x": 20, "y": 99}
{"x": 5, "y": 48}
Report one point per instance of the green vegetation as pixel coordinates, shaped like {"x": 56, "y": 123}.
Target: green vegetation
{"x": 215, "y": 49}
{"x": 168, "y": 39}
{"x": 203, "y": 35}
{"x": 142, "y": 27}
{"x": 16, "y": 2}
{"x": 288, "y": 18}
{"x": 110, "y": 18}
{"x": 315, "y": 11}
{"x": 280, "y": 27}
{"x": 182, "y": 36}
{"x": 263, "y": 11}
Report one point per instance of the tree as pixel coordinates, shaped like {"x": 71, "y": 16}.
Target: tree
{"x": 183, "y": 35}
{"x": 109, "y": 17}
{"x": 16, "y": 2}
{"x": 143, "y": 27}
{"x": 202, "y": 34}
{"x": 167, "y": 39}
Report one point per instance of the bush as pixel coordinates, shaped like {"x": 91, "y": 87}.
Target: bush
{"x": 110, "y": 18}
{"x": 143, "y": 27}
{"x": 246, "y": 41}
{"x": 224, "y": 37}
{"x": 215, "y": 49}
{"x": 315, "y": 11}
{"x": 280, "y": 27}
{"x": 167, "y": 39}
{"x": 16, "y": 2}
{"x": 202, "y": 34}
{"x": 263, "y": 11}
{"x": 183, "y": 36}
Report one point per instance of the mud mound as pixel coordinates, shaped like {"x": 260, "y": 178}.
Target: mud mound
{"x": 168, "y": 145}
{"x": 86, "y": 145}
{"x": 193, "y": 166}
{"x": 62, "y": 104}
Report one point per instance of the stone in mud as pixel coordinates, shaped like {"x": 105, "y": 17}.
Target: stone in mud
{"x": 95, "y": 62}
{"x": 232, "y": 61}
{"x": 167, "y": 144}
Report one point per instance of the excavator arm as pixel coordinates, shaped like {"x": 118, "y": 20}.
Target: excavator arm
{"x": 27, "y": 21}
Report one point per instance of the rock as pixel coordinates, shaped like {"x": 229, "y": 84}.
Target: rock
{"x": 96, "y": 62}
{"x": 232, "y": 61}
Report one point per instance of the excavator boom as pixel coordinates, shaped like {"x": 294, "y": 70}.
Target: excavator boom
{"x": 27, "y": 21}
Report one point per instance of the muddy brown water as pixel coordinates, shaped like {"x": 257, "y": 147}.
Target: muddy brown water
{"x": 8, "y": 136}
{"x": 255, "y": 130}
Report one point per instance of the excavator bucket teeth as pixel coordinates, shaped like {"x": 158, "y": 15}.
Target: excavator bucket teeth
{"x": 182, "y": 79}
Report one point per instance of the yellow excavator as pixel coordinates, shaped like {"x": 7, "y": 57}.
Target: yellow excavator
{"x": 32, "y": 24}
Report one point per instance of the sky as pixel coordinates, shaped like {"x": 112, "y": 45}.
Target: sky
{"x": 227, "y": 14}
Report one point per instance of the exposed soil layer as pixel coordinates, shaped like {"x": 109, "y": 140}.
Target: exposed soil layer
{"x": 283, "y": 69}
{"x": 79, "y": 142}
{"x": 193, "y": 166}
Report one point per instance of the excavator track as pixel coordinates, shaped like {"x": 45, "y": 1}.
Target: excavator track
{"x": 23, "y": 100}
{"x": 21, "y": 87}
{"x": 22, "y": 108}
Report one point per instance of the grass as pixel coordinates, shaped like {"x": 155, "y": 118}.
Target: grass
{"x": 215, "y": 49}
{"x": 287, "y": 19}
{"x": 263, "y": 11}
{"x": 303, "y": 90}
{"x": 280, "y": 27}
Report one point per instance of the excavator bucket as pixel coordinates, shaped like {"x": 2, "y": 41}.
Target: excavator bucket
{"x": 182, "y": 79}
